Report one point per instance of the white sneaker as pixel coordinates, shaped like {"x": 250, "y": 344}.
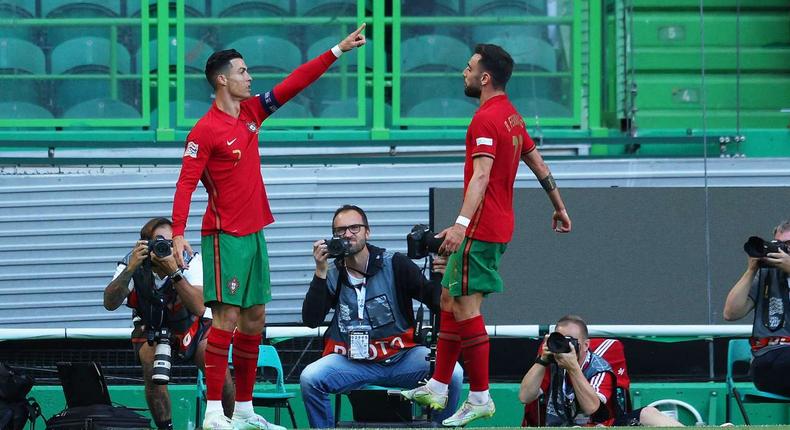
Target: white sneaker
{"x": 217, "y": 421}
{"x": 469, "y": 413}
{"x": 254, "y": 422}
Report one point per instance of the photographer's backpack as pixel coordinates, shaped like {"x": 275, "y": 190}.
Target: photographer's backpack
{"x": 15, "y": 408}
{"x": 88, "y": 405}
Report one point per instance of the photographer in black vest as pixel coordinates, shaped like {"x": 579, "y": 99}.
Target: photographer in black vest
{"x": 371, "y": 338}
{"x": 170, "y": 319}
{"x": 764, "y": 288}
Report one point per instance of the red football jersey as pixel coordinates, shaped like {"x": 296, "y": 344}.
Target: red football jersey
{"x": 222, "y": 152}
{"x": 497, "y": 131}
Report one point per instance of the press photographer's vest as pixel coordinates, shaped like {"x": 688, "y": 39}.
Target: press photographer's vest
{"x": 390, "y": 331}
{"x": 771, "y": 328}
{"x": 561, "y": 395}
{"x": 154, "y": 304}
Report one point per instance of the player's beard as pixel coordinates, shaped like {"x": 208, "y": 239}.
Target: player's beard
{"x": 471, "y": 91}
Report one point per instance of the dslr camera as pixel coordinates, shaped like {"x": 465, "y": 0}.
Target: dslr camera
{"x": 560, "y": 344}
{"x": 421, "y": 241}
{"x": 337, "y": 247}
{"x": 160, "y": 246}
{"x": 757, "y": 247}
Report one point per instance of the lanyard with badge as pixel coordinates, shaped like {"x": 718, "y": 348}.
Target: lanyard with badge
{"x": 358, "y": 331}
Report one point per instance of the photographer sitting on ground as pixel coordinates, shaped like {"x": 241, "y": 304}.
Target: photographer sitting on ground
{"x": 166, "y": 302}
{"x": 582, "y": 384}
{"x": 370, "y": 339}
{"x": 764, "y": 287}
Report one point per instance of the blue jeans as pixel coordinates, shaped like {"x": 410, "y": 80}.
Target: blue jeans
{"x": 335, "y": 373}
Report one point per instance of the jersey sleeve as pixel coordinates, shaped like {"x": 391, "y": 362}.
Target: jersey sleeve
{"x": 196, "y": 154}
{"x": 603, "y": 384}
{"x": 529, "y": 144}
{"x": 484, "y": 138}
{"x": 298, "y": 80}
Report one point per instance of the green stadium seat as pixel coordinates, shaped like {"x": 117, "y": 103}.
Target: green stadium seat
{"x": 528, "y": 52}
{"x": 431, "y": 8}
{"x": 329, "y": 8}
{"x": 507, "y": 9}
{"x": 543, "y": 108}
{"x": 442, "y": 108}
{"x": 268, "y": 53}
{"x": 18, "y": 10}
{"x": 20, "y": 57}
{"x": 434, "y": 53}
{"x": 350, "y": 58}
{"x": 196, "y": 53}
{"x": 293, "y": 109}
{"x": 536, "y": 87}
{"x": 102, "y": 108}
{"x": 417, "y": 89}
{"x": 481, "y": 7}
{"x": 251, "y": 9}
{"x": 88, "y": 53}
{"x": 348, "y": 109}
{"x": 192, "y": 109}
{"x": 55, "y": 35}
{"x": 23, "y": 110}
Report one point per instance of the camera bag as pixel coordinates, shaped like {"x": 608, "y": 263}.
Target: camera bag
{"x": 98, "y": 417}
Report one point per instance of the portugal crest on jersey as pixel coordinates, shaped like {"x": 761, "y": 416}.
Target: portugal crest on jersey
{"x": 252, "y": 127}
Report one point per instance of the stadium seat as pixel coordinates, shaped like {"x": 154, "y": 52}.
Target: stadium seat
{"x": 330, "y": 8}
{"x": 192, "y": 109}
{"x": 319, "y": 47}
{"x": 18, "y": 9}
{"x": 192, "y": 8}
{"x": 528, "y": 52}
{"x": 478, "y": 7}
{"x": 196, "y": 53}
{"x": 251, "y": 9}
{"x": 348, "y": 109}
{"x": 535, "y": 87}
{"x": 102, "y": 108}
{"x": 434, "y": 53}
{"x": 740, "y": 351}
{"x": 430, "y": 8}
{"x": 54, "y": 9}
{"x": 417, "y": 89}
{"x": 20, "y": 57}
{"x": 293, "y": 109}
{"x": 442, "y": 108}
{"x": 23, "y": 110}
{"x": 506, "y": 9}
{"x": 271, "y": 396}
{"x": 532, "y": 107}
{"x": 268, "y": 53}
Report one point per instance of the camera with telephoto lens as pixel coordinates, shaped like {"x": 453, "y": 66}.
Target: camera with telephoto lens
{"x": 421, "y": 241}
{"x": 162, "y": 358}
{"x": 558, "y": 343}
{"x": 337, "y": 247}
{"x": 160, "y": 246}
{"x": 757, "y": 247}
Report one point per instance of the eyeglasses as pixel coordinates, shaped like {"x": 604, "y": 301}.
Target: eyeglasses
{"x": 353, "y": 228}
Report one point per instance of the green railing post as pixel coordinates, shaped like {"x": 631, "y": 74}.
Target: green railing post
{"x": 595, "y": 82}
{"x": 165, "y": 130}
{"x": 379, "y": 130}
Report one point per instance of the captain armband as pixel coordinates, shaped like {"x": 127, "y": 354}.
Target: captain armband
{"x": 548, "y": 183}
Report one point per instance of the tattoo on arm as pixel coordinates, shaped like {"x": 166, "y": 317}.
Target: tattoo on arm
{"x": 117, "y": 290}
{"x": 548, "y": 183}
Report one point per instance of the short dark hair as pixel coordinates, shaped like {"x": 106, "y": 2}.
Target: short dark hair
{"x": 575, "y": 319}
{"x": 497, "y": 62}
{"x": 217, "y": 62}
{"x": 355, "y": 208}
{"x": 782, "y": 227}
{"x": 148, "y": 229}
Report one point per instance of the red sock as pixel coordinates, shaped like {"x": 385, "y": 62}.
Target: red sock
{"x": 245, "y": 363}
{"x": 216, "y": 362}
{"x": 475, "y": 346}
{"x": 447, "y": 348}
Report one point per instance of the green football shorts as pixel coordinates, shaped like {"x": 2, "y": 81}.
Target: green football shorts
{"x": 473, "y": 268}
{"x": 236, "y": 270}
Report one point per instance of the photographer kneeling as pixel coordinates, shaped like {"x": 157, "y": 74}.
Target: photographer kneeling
{"x": 581, "y": 388}
{"x": 764, "y": 287}
{"x": 169, "y": 314}
{"x": 370, "y": 340}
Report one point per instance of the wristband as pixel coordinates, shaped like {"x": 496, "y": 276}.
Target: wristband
{"x": 542, "y": 362}
{"x": 337, "y": 51}
{"x": 464, "y": 221}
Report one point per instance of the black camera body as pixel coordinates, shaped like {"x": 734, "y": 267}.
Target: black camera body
{"x": 160, "y": 246}
{"x": 757, "y": 247}
{"x": 337, "y": 247}
{"x": 421, "y": 241}
{"x": 558, "y": 343}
